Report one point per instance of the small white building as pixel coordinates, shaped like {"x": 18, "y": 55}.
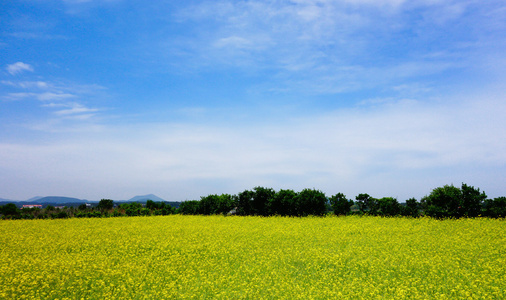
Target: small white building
{"x": 32, "y": 206}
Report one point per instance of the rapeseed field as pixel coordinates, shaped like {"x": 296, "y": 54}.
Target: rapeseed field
{"x": 216, "y": 257}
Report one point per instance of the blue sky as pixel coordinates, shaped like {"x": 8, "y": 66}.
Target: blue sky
{"x": 112, "y": 98}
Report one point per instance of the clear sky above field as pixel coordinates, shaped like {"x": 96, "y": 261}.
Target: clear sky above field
{"x": 112, "y": 98}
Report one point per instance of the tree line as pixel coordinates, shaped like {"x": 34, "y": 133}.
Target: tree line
{"x": 443, "y": 202}
{"x": 105, "y": 208}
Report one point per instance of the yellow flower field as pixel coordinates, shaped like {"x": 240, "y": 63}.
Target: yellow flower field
{"x": 216, "y": 257}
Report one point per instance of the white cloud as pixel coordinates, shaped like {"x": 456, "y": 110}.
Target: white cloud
{"x": 314, "y": 42}
{"x": 325, "y": 47}
{"x": 51, "y": 96}
{"x": 19, "y": 67}
{"x": 44, "y": 96}
{"x": 393, "y": 148}
{"x": 26, "y": 84}
{"x": 66, "y": 102}
{"x": 233, "y": 41}
{"x": 387, "y": 144}
{"x": 76, "y": 109}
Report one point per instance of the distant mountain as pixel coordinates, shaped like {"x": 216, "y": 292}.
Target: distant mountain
{"x": 34, "y": 198}
{"x": 51, "y": 200}
{"x": 57, "y": 199}
{"x": 144, "y": 198}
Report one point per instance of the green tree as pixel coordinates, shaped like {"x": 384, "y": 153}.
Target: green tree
{"x": 10, "y": 209}
{"x": 226, "y": 203}
{"x": 132, "y": 209}
{"x": 388, "y": 206}
{"x": 340, "y": 204}
{"x": 105, "y": 204}
{"x": 367, "y": 203}
{"x": 168, "y": 209}
{"x": 261, "y": 197}
{"x": 450, "y": 201}
{"x": 60, "y": 215}
{"x": 189, "y": 207}
{"x": 471, "y": 201}
{"x": 209, "y": 205}
{"x": 495, "y": 208}
{"x": 245, "y": 203}
{"x": 412, "y": 208}
{"x": 144, "y": 211}
{"x": 442, "y": 202}
{"x": 152, "y": 205}
{"x": 311, "y": 202}
{"x": 282, "y": 203}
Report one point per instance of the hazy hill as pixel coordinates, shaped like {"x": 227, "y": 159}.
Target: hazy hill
{"x": 144, "y": 198}
{"x": 74, "y": 202}
{"x": 58, "y": 199}
{"x": 34, "y": 199}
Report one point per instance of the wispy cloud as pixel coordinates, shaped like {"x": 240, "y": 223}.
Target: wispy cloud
{"x": 377, "y": 96}
{"x": 36, "y": 36}
{"x": 320, "y": 46}
{"x": 76, "y": 109}
{"x": 26, "y": 84}
{"x": 19, "y": 67}
{"x": 368, "y": 148}
{"x": 44, "y": 96}
{"x": 65, "y": 101}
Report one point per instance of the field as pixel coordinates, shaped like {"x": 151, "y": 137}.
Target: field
{"x": 216, "y": 257}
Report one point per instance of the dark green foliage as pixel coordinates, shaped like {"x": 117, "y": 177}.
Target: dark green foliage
{"x": 495, "y": 208}
{"x": 255, "y": 202}
{"x": 282, "y": 203}
{"x": 245, "y": 203}
{"x": 208, "y": 205}
{"x": 168, "y": 210}
{"x": 10, "y": 209}
{"x": 216, "y": 204}
{"x": 27, "y": 216}
{"x": 150, "y": 204}
{"x": 95, "y": 214}
{"x": 159, "y": 208}
{"x": 367, "y": 204}
{"x": 451, "y": 202}
{"x": 443, "y": 202}
{"x": 311, "y": 202}
{"x": 105, "y": 204}
{"x": 361, "y": 201}
{"x": 471, "y": 201}
{"x": 261, "y": 197}
{"x": 340, "y": 205}
{"x": 80, "y": 214}
{"x": 388, "y": 206}
{"x": 132, "y": 209}
{"x": 132, "y": 212}
{"x": 411, "y": 209}
{"x": 226, "y": 203}
{"x": 190, "y": 207}
{"x": 60, "y": 215}
{"x": 261, "y": 202}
